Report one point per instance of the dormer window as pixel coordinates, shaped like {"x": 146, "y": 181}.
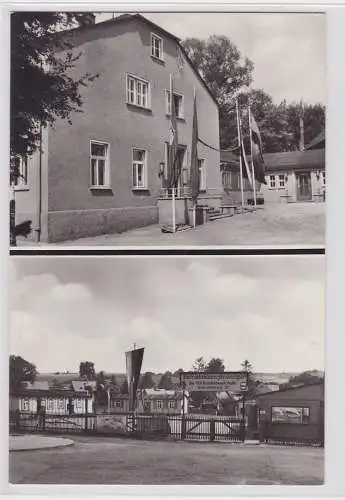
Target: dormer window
{"x": 156, "y": 47}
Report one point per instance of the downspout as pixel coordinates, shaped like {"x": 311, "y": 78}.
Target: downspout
{"x": 39, "y": 193}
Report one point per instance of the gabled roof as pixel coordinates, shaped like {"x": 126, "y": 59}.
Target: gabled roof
{"x": 295, "y": 159}
{"x": 295, "y": 388}
{"x": 130, "y": 17}
{"x": 41, "y": 385}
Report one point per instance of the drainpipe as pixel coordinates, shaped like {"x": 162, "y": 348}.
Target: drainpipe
{"x": 39, "y": 193}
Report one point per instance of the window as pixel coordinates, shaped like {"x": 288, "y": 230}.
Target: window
{"x": 139, "y": 169}
{"x": 178, "y": 103}
{"x": 61, "y": 404}
{"x": 172, "y": 403}
{"x": 281, "y": 180}
{"x": 50, "y": 405}
{"x": 159, "y": 404}
{"x": 19, "y": 171}
{"x": 99, "y": 164}
{"x": 137, "y": 92}
{"x": 202, "y": 174}
{"x": 25, "y": 404}
{"x": 290, "y": 415}
{"x": 156, "y": 47}
{"x": 118, "y": 403}
{"x": 272, "y": 181}
{"x": 324, "y": 178}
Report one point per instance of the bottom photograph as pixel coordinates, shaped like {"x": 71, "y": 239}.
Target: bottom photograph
{"x": 167, "y": 370}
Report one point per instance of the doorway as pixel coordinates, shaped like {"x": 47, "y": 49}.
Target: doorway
{"x": 304, "y": 192}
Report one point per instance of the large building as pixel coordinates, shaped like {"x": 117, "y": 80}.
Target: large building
{"x": 106, "y": 171}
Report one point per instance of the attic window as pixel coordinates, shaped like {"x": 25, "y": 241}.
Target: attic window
{"x": 156, "y": 47}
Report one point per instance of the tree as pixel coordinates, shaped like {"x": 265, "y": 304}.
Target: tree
{"x": 20, "y": 371}
{"x": 146, "y": 381}
{"x": 87, "y": 369}
{"x": 313, "y": 121}
{"x": 166, "y": 382}
{"x": 215, "y": 365}
{"x": 252, "y": 384}
{"x": 305, "y": 378}
{"x": 178, "y": 372}
{"x": 42, "y": 89}
{"x": 221, "y": 65}
{"x": 199, "y": 365}
{"x": 100, "y": 378}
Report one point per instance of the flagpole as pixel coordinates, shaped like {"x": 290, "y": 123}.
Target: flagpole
{"x": 240, "y": 146}
{"x": 251, "y": 155}
{"x": 195, "y": 201}
{"x": 171, "y": 166}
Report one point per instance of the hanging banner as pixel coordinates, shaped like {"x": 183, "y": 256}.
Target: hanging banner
{"x": 235, "y": 382}
{"x": 134, "y": 361}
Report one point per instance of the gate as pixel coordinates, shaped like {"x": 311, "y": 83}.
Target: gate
{"x": 211, "y": 428}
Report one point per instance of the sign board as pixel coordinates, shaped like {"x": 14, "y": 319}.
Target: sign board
{"x": 233, "y": 382}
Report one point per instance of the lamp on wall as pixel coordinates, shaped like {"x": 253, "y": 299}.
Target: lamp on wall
{"x": 161, "y": 169}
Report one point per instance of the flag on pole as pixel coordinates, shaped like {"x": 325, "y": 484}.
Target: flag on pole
{"x": 173, "y": 173}
{"x": 194, "y": 172}
{"x": 257, "y": 156}
{"x": 244, "y": 162}
{"x": 134, "y": 361}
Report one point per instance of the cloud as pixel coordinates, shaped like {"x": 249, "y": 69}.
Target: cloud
{"x": 266, "y": 309}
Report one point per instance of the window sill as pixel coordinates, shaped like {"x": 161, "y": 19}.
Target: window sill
{"x": 140, "y": 189}
{"x": 100, "y": 188}
{"x": 179, "y": 118}
{"x": 157, "y": 59}
{"x": 21, "y": 188}
{"x": 138, "y": 107}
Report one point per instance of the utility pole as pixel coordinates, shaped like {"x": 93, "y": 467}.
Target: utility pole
{"x": 301, "y": 126}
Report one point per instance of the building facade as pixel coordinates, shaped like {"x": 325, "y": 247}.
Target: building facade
{"x": 106, "y": 171}
{"x": 157, "y": 401}
{"x": 294, "y": 414}
{"x": 295, "y": 176}
{"x": 53, "y": 402}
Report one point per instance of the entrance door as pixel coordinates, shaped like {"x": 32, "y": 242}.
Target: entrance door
{"x": 304, "y": 187}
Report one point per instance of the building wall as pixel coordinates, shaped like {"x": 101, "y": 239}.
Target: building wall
{"x": 288, "y": 193}
{"x": 311, "y": 397}
{"x": 53, "y": 405}
{"x": 32, "y": 199}
{"x": 75, "y": 210}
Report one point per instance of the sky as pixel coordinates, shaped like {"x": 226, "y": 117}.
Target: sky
{"x": 288, "y": 49}
{"x": 269, "y": 310}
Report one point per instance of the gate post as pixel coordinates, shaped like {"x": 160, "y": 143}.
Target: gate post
{"x": 212, "y": 430}
{"x": 183, "y": 427}
{"x": 86, "y": 415}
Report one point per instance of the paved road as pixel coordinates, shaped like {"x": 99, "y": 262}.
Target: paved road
{"x": 275, "y": 224}
{"x": 115, "y": 461}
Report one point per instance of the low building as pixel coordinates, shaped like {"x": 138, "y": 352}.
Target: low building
{"x": 297, "y": 176}
{"x": 293, "y": 414}
{"x": 51, "y": 401}
{"x": 158, "y": 401}
{"x": 231, "y": 181}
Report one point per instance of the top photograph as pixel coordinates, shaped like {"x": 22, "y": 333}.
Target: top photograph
{"x": 167, "y": 129}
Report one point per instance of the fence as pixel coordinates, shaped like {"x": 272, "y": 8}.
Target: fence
{"x": 201, "y": 427}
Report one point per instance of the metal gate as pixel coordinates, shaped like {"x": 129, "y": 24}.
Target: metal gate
{"x": 212, "y": 429}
